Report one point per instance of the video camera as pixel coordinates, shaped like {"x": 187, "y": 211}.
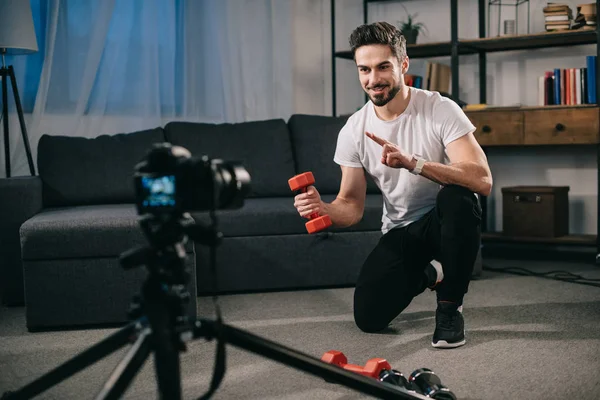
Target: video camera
{"x": 169, "y": 181}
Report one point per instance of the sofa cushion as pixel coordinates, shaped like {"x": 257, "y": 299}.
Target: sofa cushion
{"x": 314, "y": 138}
{"x": 79, "y": 171}
{"x": 263, "y": 147}
{"x": 278, "y": 216}
{"x": 83, "y": 231}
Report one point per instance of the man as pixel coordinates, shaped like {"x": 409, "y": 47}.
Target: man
{"x": 420, "y": 150}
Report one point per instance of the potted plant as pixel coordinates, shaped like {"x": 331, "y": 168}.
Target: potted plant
{"x": 410, "y": 29}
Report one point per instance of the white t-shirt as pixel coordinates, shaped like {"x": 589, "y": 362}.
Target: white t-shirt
{"x": 428, "y": 124}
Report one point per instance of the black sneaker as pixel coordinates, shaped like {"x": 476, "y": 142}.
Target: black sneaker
{"x": 449, "y": 326}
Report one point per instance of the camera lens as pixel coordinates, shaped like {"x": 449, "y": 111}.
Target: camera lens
{"x": 232, "y": 183}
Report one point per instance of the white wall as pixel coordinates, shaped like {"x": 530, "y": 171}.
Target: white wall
{"x": 511, "y": 79}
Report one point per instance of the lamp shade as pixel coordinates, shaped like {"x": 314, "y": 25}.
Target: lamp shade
{"x": 17, "y": 34}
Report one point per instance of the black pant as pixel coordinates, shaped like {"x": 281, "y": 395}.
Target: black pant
{"x": 394, "y": 272}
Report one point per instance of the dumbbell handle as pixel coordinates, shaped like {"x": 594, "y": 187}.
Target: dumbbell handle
{"x": 313, "y": 215}
{"x": 361, "y": 370}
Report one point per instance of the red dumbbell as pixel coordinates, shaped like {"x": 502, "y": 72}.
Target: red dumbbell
{"x": 372, "y": 368}
{"x": 301, "y": 182}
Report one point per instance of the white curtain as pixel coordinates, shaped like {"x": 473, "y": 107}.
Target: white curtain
{"x": 113, "y": 66}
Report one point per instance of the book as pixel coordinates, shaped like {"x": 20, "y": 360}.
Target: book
{"x": 591, "y": 65}
{"x": 556, "y": 7}
{"x": 438, "y": 77}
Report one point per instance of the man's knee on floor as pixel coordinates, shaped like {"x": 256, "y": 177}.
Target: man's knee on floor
{"x": 368, "y": 314}
{"x": 368, "y": 322}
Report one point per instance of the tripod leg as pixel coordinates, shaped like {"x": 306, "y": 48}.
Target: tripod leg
{"x": 168, "y": 371}
{"x": 304, "y": 362}
{"x": 4, "y": 74}
{"x": 123, "y": 374}
{"x": 76, "y": 364}
{"x": 165, "y": 339}
{"x": 13, "y": 80}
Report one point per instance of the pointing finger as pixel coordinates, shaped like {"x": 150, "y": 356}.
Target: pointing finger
{"x": 376, "y": 139}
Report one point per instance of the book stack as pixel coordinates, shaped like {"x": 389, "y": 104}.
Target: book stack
{"x": 557, "y": 17}
{"x": 569, "y": 86}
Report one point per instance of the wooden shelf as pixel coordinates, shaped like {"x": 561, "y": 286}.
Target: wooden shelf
{"x": 532, "y": 41}
{"x": 386, "y": 1}
{"x": 425, "y": 50}
{"x": 529, "y": 108}
{"x": 575, "y": 240}
{"x": 495, "y": 44}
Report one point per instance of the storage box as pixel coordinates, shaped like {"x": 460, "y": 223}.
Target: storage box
{"x": 535, "y": 211}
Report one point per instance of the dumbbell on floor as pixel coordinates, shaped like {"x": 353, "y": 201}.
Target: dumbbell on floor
{"x": 373, "y": 368}
{"x": 423, "y": 381}
{"x": 300, "y": 183}
{"x": 429, "y": 384}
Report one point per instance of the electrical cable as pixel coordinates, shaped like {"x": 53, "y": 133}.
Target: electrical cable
{"x": 563, "y": 276}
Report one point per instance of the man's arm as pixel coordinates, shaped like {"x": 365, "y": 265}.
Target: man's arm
{"x": 348, "y": 207}
{"x": 468, "y": 167}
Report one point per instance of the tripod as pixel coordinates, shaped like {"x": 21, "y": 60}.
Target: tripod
{"x": 163, "y": 328}
{"x": 7, "y": 72}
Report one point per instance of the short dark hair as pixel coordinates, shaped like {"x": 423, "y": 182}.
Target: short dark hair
{"x": 379, "y": 33}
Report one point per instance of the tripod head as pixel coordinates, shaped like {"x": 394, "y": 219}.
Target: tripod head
{"x": 165, "y": 253}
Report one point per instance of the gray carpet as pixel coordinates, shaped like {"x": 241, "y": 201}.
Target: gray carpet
{"x": 527, "y": 338}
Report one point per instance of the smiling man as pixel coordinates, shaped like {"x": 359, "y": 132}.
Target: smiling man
{"x": 420, "y": 150}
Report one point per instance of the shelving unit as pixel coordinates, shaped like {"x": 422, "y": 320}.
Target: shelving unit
{"x": 455, "y": 47}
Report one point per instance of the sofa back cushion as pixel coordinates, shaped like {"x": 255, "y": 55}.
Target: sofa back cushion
{"x": 262, "y": 147}
{"x": 80, "y": 171}
{"x": 315, "y": 138}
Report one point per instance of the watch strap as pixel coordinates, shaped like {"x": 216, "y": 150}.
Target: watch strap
{"x": 419, "y": 167}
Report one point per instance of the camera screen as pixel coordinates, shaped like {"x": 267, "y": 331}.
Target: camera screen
{"x": 159, "y": 192}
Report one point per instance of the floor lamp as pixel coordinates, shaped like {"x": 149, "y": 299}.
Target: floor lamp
{"x": 17, "y": 37}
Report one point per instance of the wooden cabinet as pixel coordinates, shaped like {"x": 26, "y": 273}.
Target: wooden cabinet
{"x": 498, "y": 128}
{"x": 561, "y": 126}
{"x": 537, "y": 126}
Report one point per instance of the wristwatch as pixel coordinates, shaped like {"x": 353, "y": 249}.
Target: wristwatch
{"x": 420, "y": 162}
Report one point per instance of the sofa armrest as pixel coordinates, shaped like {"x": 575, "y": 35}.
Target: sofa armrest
{"x": 20, "y": 199}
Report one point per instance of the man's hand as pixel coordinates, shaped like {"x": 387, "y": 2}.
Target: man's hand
{"x": 309, "y": 202}
{"x": 392, "y": 155}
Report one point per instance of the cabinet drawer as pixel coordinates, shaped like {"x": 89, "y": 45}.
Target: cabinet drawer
{"x": 562, "y": 126}
{"x": 498, "y": 128}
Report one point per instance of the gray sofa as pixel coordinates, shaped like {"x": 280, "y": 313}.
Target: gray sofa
{"x": 62, "y": 232}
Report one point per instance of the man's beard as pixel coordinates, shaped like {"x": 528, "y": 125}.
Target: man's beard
{"x": 381, "y": 100}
